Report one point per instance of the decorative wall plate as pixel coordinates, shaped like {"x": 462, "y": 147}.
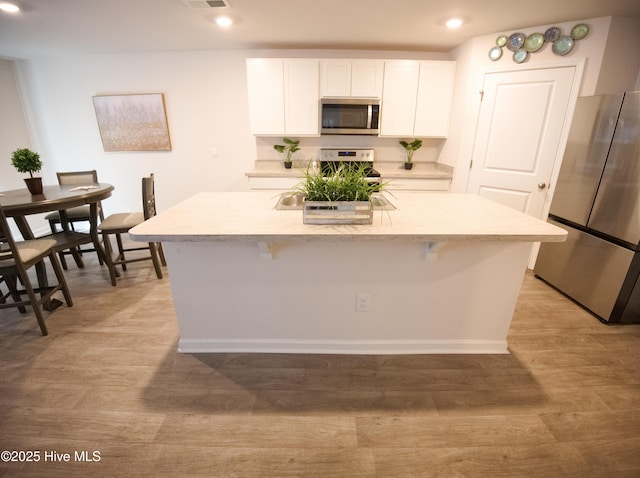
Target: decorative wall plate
{"x": 579, "y": 31}
{"x": 516, "y": 41}
{"x": 501, "y": 40}
{"x": 562, "y": 45}
{"x": 521, "y": 55}
{"x": 495, "y": 53}
{"x": 534, "y": 42}
{"x": 552, "y": 34}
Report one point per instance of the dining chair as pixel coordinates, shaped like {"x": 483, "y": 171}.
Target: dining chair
{"x": 120, "y": 223}
{"x": 16, "y": 258}
{"x": 74, "y": 214}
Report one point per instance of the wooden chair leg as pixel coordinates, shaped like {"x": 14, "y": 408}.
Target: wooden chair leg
{"x": 161, "y": 251}
{"x": 37, "y": 309}
{"x": 109, "y": 258}
{"x": 63, "y": 261}
{"x": 57, "y": 269}
{"x": 77, "y": 256}
{"x": 155, "y": 258}
{"x": 12, "y": 285}
{"x": 121, "y": 251}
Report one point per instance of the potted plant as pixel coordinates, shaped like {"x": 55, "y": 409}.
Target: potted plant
{"x": 27, "y": 161}
{"x": 411, "y": 148}
{"x": 340, "y": 195}
{"x": 289, "y": 147}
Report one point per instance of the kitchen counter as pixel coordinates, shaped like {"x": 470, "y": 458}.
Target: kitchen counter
{"x": 251, "y": 217}
{"x": 441, "y": 274}
{"x": 388, "y": 170}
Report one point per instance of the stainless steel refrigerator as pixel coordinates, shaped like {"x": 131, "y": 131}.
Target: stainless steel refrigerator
{"x": 597, "y": 200}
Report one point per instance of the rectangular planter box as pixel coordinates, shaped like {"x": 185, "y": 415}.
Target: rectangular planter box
{"x": 337, "y": 212}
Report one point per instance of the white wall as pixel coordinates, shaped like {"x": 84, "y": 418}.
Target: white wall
{"x": 206, "y": 103}
{"x": 13, "y": 127}
{"x": 621, "y": 61}
{"x": 473, "y": 63}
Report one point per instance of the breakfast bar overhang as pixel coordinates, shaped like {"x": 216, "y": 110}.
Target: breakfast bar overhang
{"x": 439, "y": 274}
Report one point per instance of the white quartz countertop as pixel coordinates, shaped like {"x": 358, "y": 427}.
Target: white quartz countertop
{"x": 429, "y": 217}
{"x": 387, "y": 169}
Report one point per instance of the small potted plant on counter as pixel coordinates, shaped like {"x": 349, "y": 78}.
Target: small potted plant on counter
{"x": 289, "y": 147}
{"x": 27, "y": 161}
{"x": 411, "y": 148}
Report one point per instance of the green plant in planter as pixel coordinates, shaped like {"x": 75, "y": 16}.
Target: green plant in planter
{"x": 289, "y": 147}
{"x": 26, "y": 161}
{"x": 339, "y": 183}
{"x": 411, "y": 148}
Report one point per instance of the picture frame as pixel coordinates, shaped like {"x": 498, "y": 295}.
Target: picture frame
{"x": 132, "y": 122}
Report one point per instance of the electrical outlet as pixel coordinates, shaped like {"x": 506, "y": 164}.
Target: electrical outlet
{"x": 362, "y": 302}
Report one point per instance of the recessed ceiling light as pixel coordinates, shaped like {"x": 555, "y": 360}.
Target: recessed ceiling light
{"x": 454, "y": 23}
{"x": 9, "y": 7}
{"x": 224, "y": 21}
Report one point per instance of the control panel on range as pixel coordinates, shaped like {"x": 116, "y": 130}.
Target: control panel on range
{"x": 331, "y": 154}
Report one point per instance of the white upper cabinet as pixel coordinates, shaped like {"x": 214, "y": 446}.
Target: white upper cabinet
{"x": 435, "y": 95}
{"x": 416, "y": 98}
{"x": 283, "y": 96}
{"x": 265, "y": 85}
{"x": 399, "y": 97}
{"x": 351, "y": 78}
{"x": 301, "y": 86}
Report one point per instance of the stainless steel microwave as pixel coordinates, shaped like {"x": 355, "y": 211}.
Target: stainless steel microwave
{"x": 350, "y": 116}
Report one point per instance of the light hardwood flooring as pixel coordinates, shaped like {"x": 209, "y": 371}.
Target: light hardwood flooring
{"x": 564, "y": 403}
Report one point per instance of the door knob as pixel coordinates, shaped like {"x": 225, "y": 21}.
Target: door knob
{"x": 541, "y": 185}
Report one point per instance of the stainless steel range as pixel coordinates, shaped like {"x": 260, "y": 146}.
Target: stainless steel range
{"x": 331, "y": 159}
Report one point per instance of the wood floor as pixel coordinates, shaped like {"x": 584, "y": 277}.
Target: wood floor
{"x": 565, "y": 403}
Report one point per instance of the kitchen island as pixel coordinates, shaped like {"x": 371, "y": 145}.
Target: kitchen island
{"x": 439, "y": 274}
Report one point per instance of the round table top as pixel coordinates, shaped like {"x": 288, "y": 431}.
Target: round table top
{"x": 20, "y": 202}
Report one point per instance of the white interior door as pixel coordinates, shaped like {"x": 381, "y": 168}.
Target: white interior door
{"x": 518, "y": 136}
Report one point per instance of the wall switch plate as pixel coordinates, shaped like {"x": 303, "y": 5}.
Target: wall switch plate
{"x": 362, "y": 302}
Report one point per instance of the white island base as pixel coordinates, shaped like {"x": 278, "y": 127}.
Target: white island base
{"x": 439, "y": 275}
{"x": 305, "y": 299}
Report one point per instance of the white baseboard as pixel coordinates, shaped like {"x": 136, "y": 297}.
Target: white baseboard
{"x": 358, "y": 347}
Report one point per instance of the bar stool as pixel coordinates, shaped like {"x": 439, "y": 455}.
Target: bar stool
{"x": 120, "y": 223}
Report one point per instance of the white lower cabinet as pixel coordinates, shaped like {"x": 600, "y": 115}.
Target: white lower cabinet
{"x": 275, "y": 183}
{"x": 418, "y": 184}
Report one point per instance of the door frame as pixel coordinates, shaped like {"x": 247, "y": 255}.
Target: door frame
{"x": 578, "y": 65}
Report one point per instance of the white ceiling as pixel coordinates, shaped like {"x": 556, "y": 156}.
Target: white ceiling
{"x": 62, "y": 27}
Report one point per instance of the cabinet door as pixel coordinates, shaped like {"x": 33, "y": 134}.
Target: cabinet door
{"x": 265, "y": 85}
{"x": 399, "y": 96}
{"x": 336, "y": 78}
{"x": 435, "y": 94}
{"x": 418, "y": 184}
{"x": 366, "y": 78}
{"x": 278, "y": 183}
{"x": 302, "y": 94}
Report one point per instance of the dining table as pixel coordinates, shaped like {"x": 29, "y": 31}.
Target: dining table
{"x": 20, "y": 203}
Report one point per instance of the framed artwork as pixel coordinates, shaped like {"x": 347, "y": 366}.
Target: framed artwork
{"x": 132, "y": 122}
